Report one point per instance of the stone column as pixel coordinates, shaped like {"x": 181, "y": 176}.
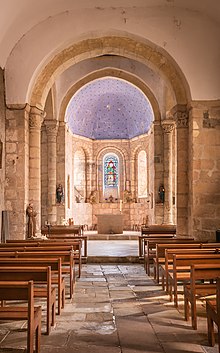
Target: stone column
{"x": 51, "y": 129}
{"x": 168, "y": 126}
{"x": 180, "y": 115}
{"x": 35, "y": 121}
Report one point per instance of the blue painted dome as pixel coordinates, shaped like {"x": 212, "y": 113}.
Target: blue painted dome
{"x": 109, "y": 108}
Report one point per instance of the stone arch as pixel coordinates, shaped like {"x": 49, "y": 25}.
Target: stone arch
{"x": 145, "y": 52}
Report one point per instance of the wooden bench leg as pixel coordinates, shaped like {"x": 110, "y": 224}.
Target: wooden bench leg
{"x": 38, "y": 338}
{"x": 186, "y": 304}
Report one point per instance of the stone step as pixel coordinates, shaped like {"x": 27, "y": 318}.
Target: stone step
{"x": 112, "y": 237}
{"x": 113, "y": 259}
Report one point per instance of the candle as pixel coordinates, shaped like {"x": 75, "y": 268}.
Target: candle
{"x": 120, "y": 206}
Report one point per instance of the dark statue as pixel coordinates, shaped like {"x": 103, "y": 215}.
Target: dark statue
{"x": 59, "y": 194}
{"x": 161, "y": 193}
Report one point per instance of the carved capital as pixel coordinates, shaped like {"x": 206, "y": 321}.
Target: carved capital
{"x": 51, "y": 127}
{"x": 36, "y": 118}
{"x": 181, "y": 119}
{"x": 168, "y": 126}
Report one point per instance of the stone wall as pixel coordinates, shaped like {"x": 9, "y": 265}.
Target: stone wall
{"x": 204, "y": 170}
{"x": 17, "y": 171}
{"x": 2, "y": 146}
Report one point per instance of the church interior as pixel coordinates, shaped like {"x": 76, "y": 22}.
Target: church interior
{"x": 110, "y": 122}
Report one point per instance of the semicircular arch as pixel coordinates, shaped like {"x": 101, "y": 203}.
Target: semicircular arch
{"x": 145, "y": 52}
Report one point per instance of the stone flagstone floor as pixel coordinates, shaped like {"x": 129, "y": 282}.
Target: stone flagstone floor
{"x": 115, "y": 309}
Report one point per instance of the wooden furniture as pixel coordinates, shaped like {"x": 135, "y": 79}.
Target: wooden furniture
{"x": 142, "y": 239}
{"x": 67, "y": 260}
{"x": 41, "y": 276}
{"x": 179, "y": 275}
{"x": 62, "y": 229}
{"x": 55, "y": 239}
{"x": 196, "y": 290}
{"x": 158, "y": 230}
{"x": 168, "y": 266}
{"x": 56, "y": 268}
{"x": 41, "y": 246}
{"x": 155, "y": 251}
{"x": 213, "y": 316}
{"x": 21, "y": 290}
{"x": 161, "y": 249}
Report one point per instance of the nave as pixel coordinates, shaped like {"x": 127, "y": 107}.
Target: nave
{"x": 116, "y": 308}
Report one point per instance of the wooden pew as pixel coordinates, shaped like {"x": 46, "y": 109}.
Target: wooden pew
{"x": 47, "y": 246}
{"x": 159, "y": 229}
{"x": 69, "y": 238}
{"x": 143, "y": 238}
{"x": 40, "y": 275}
{"x": 168, "y": 266}
{"x": 153, "y": 252}
{"x": 67, "y": 259}
{"x": 161, "y": 249}
{"x": 213, "y": 316}
{"x": 54, "y": 239}
{"x": 178, "y": 275}
{"x": 62, "y": 229}
{"x": 56, "y": 268}
{"x": 195, "y": 290}
{"x": 20, "y": 290}
{"x": 155, "y": 230}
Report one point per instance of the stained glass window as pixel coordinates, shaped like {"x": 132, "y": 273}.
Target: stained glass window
{"x": 110, "y": 171}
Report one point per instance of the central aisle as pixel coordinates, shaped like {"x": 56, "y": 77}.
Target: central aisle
{"x": 118, "y": 309}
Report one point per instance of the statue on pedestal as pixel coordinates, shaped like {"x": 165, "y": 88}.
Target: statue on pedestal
{"x": 59, "y": 194}
{"x": 161, "y": 193}
{"x": 31, "y": 231}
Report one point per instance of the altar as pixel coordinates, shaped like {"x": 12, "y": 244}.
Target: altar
{"x": 109, "y": 223}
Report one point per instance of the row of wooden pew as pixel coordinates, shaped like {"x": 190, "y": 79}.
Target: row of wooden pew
{"x": 193, "y": 265}
{"x": 37, "y": 269}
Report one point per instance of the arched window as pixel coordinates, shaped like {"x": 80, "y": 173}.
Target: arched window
{"x": 110, "y": 175}
{"x": 142, "y": 174}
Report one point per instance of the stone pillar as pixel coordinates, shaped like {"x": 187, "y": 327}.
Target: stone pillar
{"x": 35, "y": 120}
{"x": 51, "y": 129}
{"x": 168, "y": 126}
{"x": 180, "y": 115}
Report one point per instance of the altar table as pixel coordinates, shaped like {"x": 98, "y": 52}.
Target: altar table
{"x": 110, "y": 223}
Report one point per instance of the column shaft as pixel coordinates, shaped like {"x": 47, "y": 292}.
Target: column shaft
{"x": 51, "y": 129}
{"x": 35, "y": 120}
{"x": 168, "y": 127}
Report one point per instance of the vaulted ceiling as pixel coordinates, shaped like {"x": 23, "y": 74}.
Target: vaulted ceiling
{"x": 33, "y": 33}
{"x": 109, "y": 108}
